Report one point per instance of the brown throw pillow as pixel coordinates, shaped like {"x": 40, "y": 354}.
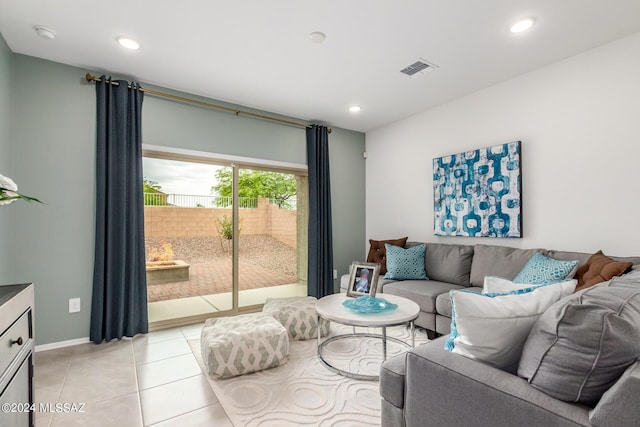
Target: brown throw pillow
{"x": 377, "y": 252}
{"x": 599, "y": 268}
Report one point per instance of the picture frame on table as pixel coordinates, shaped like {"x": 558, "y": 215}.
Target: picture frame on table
{"x": 363, "y": 279}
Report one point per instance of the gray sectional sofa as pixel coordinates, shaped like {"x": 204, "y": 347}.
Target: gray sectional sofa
{"x": 429, "y": 386}
{"x": 463, "y": 267}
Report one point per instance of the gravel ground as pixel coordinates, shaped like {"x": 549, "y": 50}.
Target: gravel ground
{"x": 261, "y": 250}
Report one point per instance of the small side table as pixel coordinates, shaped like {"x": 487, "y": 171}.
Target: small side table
{"x": 330, "y": 308}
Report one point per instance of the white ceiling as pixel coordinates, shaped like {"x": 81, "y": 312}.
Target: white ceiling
{"x": 258, "y": 52}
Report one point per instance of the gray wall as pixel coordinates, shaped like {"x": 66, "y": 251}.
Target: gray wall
{"x": 347, "y": 198}
{"x": 54, "y": 157}
{"x": 176, "y": 124}
{"x": 6, "y": 213}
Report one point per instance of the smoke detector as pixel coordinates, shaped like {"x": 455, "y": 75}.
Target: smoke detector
{"x": 45, "y": 32}
{"x": 418, "y": 68}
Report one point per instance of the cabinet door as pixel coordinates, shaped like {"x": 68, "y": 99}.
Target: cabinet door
{"x": 18, "y": 395}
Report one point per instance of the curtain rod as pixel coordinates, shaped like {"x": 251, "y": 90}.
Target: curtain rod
{"x": 90, "y": 77}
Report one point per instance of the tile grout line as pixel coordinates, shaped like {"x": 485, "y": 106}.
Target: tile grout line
{"x": 135, "y": 370}
{"x": 171, "y": 382}
{"x": 64, "y": 383}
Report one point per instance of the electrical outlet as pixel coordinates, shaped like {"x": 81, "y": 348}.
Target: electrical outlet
{"x": 335, "y": 274}
{"x": 74, "y": 305}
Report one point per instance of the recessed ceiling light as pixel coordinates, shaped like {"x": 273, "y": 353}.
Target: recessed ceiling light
{"x": 522, "y": 25}
{"x": 45, "y": 32}
{"x": 128, "y": 43}
{"x": 317, "y": 37}
{"x": 355, "y": 108}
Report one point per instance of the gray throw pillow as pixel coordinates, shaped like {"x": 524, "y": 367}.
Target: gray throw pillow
{"x": 449, "y": 263}
{"x": 582, "y": 344}
{"x": 498, "y": 261}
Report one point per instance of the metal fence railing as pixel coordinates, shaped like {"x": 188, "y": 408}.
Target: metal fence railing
{"x": 191, "y": 201}
{"x": 289, "y": 204}
{"x": 227, "y": 202}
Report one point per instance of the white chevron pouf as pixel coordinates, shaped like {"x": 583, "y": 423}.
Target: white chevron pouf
{"x": 243, "y": 344}
{"x": 298, "y": 315}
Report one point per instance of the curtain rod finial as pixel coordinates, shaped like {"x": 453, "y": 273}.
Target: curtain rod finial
{"x": 89, "y": 77}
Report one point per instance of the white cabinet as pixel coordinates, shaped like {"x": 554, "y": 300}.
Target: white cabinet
{"x": 16, "y": 356}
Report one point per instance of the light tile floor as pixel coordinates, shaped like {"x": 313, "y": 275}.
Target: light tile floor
{"x": 152, "y": 379}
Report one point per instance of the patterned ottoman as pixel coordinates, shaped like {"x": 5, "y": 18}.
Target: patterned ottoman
{"x": 298, "y": 315}
{"x": 243, "y": 344}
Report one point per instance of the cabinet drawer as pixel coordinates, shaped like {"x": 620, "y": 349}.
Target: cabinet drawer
{"x": 12, "y": 341}
{"x": 18, "y": 393}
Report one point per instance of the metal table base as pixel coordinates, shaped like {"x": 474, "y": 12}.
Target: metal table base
{"x": 383, "y": 336}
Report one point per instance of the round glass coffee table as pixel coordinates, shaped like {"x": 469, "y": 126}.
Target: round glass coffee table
{"x": 330, "y": 308}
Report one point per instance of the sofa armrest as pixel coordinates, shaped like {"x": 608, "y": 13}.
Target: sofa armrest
{"x": 392, "y": 377}
{"x": 444, "y": 388}
{"x": 619, "y": 406}
{"x": 344, "y": 282}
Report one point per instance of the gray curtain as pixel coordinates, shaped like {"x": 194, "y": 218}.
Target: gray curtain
{"x": 320, "y": 231}
{"x": 119, "y": 303}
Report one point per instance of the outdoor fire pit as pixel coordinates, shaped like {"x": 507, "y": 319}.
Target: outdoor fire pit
{"x": 167, "y": 272}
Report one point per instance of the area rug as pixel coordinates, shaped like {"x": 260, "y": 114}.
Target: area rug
{"x": 303, "y": 392}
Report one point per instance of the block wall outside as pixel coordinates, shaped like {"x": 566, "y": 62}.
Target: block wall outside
{"x": 267, "y": 219}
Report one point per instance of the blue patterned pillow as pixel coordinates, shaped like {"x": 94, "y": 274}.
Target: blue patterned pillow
{"x": 405, "y": 264}
{"x": 542, "y": 270}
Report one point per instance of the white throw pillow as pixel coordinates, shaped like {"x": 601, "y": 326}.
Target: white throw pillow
{"x": 493, "y": 327}
{"x": 499, "y": 285}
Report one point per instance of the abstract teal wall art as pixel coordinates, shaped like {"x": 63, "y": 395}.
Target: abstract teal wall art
{"x": 477, "y": 193}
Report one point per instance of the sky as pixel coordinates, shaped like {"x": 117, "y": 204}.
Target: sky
{"x": 180, "y": 177}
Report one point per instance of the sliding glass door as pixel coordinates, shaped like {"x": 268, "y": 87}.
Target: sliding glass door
{"x": 271, "y": 251}
{"x": 237, "y": 234}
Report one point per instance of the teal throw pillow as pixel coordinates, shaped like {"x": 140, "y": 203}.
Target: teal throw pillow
{"x": 405, "y": 264}
{"x": 541, "y": 270}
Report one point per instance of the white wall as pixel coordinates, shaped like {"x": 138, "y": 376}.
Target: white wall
{"x": 579, "y": 123}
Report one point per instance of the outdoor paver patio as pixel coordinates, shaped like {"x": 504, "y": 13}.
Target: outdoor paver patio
{"x": 216, "y": 278}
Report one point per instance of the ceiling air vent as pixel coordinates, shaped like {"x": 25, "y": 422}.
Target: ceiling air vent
{"x": 418, "y": 68}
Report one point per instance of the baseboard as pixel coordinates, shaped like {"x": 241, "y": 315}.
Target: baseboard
{"x": 61, "y": 344}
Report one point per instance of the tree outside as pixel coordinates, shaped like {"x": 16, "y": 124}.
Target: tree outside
{"x": 153, "y": 195}
{"x": 279, "y": 187}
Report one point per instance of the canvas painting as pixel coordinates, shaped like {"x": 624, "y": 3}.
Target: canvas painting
{"x": 477, "y": 193}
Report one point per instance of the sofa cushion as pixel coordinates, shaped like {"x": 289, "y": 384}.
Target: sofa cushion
{"x": 405, "y": 264}
{"x": 568, "y": 256}
{"x": 542, "y": 270}
{"x": 443, "y": 302}
{"x": 492, "y": 328}
{"x": 622, "y": 396}
{"x": 445, "y": 389}
{"x": 498, "y": 261}
{"x": 599, "y": 268}
{"x": 634, "y": 260}
{"x": 382, "y": 282}
{"x": 583, "y": 344}
{"x": 392, "y": 380}
{"x": 378, "y": 253}
{"x": 422, "y": 293}
{"x": 498, "y": 285}
{"x": 449, "y": 263}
